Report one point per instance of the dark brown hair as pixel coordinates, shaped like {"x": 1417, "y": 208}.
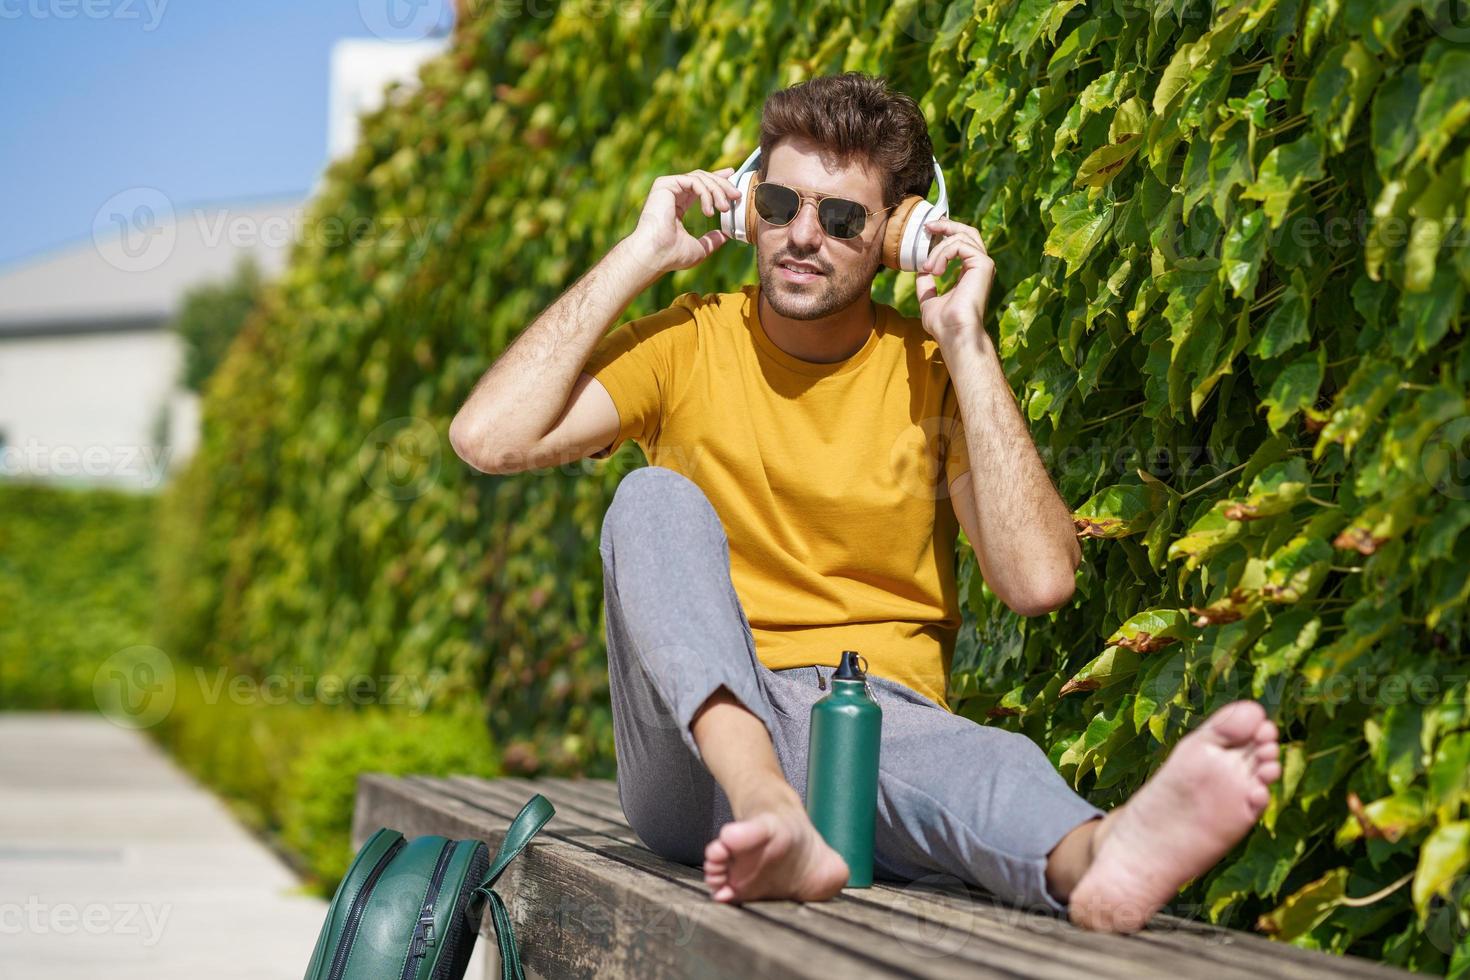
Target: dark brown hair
{"x": 854, "y": 117}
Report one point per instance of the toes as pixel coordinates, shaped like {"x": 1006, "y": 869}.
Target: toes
{"x": 724, "y": 894}
{"x": 1258, "y": 796}
{"x": 1267, "y": 732}
{"x": 1269, "y": 772}
{"x": 742, "y": 835}
{"x": 1268, "y": 753}
{"x": 1237, "y": 722}
{"x": 716, "y": 853}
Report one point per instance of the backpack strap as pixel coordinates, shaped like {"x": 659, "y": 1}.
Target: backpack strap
{"x": 533, "y": 816}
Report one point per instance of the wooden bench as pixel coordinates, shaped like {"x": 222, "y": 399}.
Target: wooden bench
{"x": 588, "y": 899}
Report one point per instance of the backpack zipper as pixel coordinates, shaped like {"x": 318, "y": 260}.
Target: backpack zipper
{"x": 359, "y": 906}
{"x": 423, "y": 930}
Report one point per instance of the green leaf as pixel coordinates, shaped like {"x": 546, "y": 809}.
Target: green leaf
{"x": 1306, "y": 908}
{"x": 1104, "y": 163}
{"x": 1295, "y": 388}
{"x": 1393, "y": 120}
{"x": 1425, "y": 317}
{"x": 1443, "y": 858}
{"x": 1206, "y": 537}
{"x": 1229, "y": 168}
{"x": 1118, "y": 511}
{"x": 1275, "y": 490}
{"x": 1294, "y": 572}
{"x": 1113, "y": 665}
{"x": 1389, "y": 818}
{"x": 1284, "y": 170}
{"x": 1444, "y": 104}
{"x": 1151, "y": 630}
{"x": 1288, "y": 324}
{"x": 1339, "y": 89}
{"x": 1078, "y": 227}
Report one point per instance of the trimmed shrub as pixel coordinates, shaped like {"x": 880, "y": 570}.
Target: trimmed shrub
{"x": 318, "y": 799}
{"x": 76, "y": 587}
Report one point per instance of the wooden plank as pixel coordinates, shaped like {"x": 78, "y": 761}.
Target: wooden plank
{"x": 968, "y": 926}
{"x": 1229, "y": 952}
{"x": 578, "y": 912}
{"x": 935, "y": 945}
{"x": 802, "y": 919}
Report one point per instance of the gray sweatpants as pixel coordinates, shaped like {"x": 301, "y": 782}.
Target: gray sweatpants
{"x": 954, "y": 797}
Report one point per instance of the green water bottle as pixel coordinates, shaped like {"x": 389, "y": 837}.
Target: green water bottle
{"x": 842, "y": 768}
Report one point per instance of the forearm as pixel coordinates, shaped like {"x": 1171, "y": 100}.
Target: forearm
{"x": 1028, "y": 548}
{"x": 517, "y": 401}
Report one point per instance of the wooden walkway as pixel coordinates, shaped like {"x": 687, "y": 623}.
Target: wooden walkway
{"x": 588, "y": 899}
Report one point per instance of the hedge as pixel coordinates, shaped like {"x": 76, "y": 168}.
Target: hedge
{"x": 76, "y": 588}
{"x": 1230, "y": 284}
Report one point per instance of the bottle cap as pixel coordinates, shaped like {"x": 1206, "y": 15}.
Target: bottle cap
{"x": 848, "y": 669}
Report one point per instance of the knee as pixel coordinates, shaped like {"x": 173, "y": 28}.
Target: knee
{"x": 660, "y": 834}
{"x": 656, "y": 498}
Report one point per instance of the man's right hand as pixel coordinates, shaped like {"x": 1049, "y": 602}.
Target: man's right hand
{"x": 661, "y": 239}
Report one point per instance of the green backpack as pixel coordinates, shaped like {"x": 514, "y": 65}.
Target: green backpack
{"x": 410, "y": 909}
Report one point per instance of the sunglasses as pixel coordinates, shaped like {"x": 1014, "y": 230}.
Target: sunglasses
{"x": 779, "y": 205}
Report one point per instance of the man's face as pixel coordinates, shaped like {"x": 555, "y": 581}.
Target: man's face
{"x": 846, "y": 266}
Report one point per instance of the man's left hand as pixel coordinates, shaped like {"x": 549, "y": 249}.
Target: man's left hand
{"x": 958, "y": 315}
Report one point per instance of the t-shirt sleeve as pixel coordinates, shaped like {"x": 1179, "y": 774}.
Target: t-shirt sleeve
{"x": 642, "y": 363}
{"x": 956, "y": 450}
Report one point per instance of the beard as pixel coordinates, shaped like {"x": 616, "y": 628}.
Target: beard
{"x": 835, "y": 290}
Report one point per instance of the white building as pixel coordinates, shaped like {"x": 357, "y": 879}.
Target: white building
{"x": 89, "y": 364}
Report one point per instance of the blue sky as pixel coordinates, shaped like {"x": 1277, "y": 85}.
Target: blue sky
{"x": 204, "y": 100}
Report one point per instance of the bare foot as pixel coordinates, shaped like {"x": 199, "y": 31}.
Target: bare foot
{"x": 772, "y": 851}
{"x": 1209, "y": 793}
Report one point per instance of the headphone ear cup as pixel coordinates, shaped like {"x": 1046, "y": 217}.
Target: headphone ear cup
{"x": 906, "y": 242}
{"x": 738, "y": 223}
{"x": 747, "y": 205}
{"x": 894, "y": 234}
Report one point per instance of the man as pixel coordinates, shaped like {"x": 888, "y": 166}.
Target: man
{"x": 813, "y": 456}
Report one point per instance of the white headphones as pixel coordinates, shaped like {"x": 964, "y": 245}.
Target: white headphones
{"x": 906, "y": 241}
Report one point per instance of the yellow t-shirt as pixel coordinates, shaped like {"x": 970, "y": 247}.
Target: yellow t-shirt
{"x": 826, "y": 477}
